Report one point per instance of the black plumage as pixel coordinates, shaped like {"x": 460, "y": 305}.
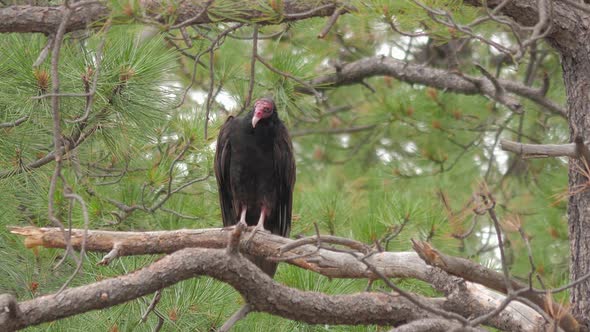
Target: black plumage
{"x": 255, "y": 171}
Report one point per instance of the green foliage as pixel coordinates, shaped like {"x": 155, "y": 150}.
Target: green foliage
{"x": 425, "y": 145}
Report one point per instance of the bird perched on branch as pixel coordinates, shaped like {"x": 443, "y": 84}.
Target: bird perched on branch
{"x": 255, "y": 172}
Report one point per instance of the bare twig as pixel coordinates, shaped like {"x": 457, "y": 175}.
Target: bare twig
{"x": 331, "y": 21}
{"x": 96, "y": 73}
{"x": 332, "y": 131}
{"x": 55, "y": 113}
{"x": 14, "y": 123}
{"x": 152, "y": 305}
{"x": 252, "y": 68}
{"x": 86, "y": 217}
{"x": 44, "y": 52}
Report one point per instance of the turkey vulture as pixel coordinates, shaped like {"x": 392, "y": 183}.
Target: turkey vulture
{"x": 255, "y": 172}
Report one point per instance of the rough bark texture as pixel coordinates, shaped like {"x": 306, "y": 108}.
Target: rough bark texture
{"x": 47, "y": 19}
{"x": 258, "y": 289}
{"x": 569, "y": 35}
{"x": 433, "y": 325}
{"x": 464, "y": 298}
{"x": 576, "y": 73}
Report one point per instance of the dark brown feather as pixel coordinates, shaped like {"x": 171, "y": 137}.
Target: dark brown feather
{"x": 255, "y": 167}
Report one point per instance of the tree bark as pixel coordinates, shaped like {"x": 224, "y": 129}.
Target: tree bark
{"x": 46, "y": 19}
{"x": 259, "y": 290}
{"x": 576, "y": 75}
{"x": 570, "y": 36}
{"x": 465, "y": 298}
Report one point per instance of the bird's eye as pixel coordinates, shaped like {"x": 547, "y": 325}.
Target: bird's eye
{"x": 266, "y": 110}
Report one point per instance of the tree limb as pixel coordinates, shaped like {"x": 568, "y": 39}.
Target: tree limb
{"x": 540, "y": 150}
{"x": 477, "y": 273}
{"x": 355, "y": 72}
{"x": 47, "y": 19}
{"x": 259, "y": 290}
{"x": 467, "y": 299}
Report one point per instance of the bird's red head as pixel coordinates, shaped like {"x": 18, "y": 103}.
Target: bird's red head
{"x": 263, "y": 108}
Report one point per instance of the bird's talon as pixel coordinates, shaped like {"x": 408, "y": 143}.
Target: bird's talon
{"x": 257, "y": 228}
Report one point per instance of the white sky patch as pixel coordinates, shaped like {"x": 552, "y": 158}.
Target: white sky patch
{"x": 410, "y": 147}
{"x": 493, "y": 256}
{"x": 500, "y": 38}
{"x": 169, "y": 138}
{"x": 384, "y": 155}
{"x": 198, "y": 96}
{"x": 386, "y": 141}
{"x": 182, "y": 168}
{"x": 345, "y": 141}
{"x": 501, "y": 159}
{"x": 171, "y": 90}
{"x": 500, "y": 156}
{"x": 398, "y": 50}
{"x": 224, "y": 98}
{"x": 213, "y": 145}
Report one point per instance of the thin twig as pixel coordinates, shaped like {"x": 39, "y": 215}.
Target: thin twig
{"x": 96, "y": 73}
{"x": 252, "y": 68}
{"x": 44, "y": 52}
{"x": 57, "y": 136}
{"x": 152, "y": 305}
{"x": 331, "y": 21}
{"x": 14, "y": 123}
{"x": 86, "y": 217}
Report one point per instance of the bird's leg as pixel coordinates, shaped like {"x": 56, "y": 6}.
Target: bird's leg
{"x": 243, "y": 216}
{"x": 260, "y": 224}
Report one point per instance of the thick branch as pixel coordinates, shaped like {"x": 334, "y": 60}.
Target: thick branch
{"x": 47, "y": 19}
{"x": 357, "y": 71}
{"x": 258, "y": 289}
{"x": 466, "y": 299}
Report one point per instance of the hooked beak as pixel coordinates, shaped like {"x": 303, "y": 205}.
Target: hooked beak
{"x": 257, "y": 116}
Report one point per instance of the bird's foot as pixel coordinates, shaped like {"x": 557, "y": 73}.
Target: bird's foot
{"x": 242, "y": 224}
{"x": 258, "y": 228}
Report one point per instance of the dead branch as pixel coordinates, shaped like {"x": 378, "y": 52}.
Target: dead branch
{"x": 540, "y": 150}
{"x": 14, "y": 123}
{"x": 477, "y": 273}
{"x": 465, "y": 298}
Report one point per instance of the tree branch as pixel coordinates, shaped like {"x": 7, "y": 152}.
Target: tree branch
{"x": 540, "y": 150}
{"x": 47, "y": 19}
{"x": 466, "y": 299}
{"x": 357, "y": 71}
{"x": 477, "y": 273}
{"x": 259, "y": 290}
